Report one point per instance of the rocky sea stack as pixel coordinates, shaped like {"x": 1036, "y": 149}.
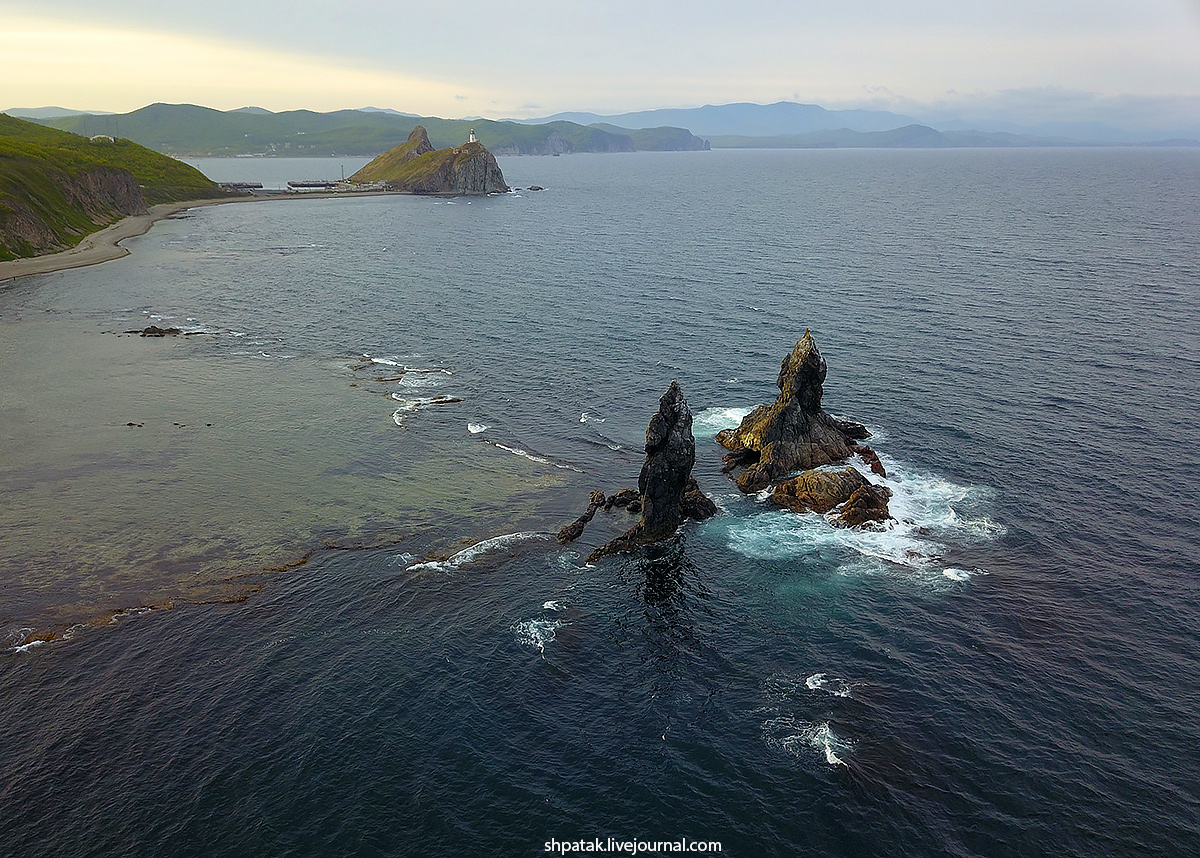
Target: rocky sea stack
{"x": 794, "y": 433}
{"x": 666, "y": 494}
{"x": 415, "y": 167}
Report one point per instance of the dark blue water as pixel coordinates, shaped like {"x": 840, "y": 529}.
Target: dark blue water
{"x": 1009, "y": 670}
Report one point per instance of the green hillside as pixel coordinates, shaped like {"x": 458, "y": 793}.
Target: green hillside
{"x": 185, "y": 129}
{"x": 57, "y": 187}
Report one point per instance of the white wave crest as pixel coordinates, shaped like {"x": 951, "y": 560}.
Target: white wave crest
{"x": 422, "y": 380}
{"x": 475, "y": 428}
{"x": 822, "y": 682}
{"x": 710, "y": 421}
{"x": 410, "y": 406}
{"x": 533, "y": 457}
{"x": 486, "y": 546}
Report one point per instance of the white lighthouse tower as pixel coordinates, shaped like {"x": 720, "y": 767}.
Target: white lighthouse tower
{"x": 472, "y": 138}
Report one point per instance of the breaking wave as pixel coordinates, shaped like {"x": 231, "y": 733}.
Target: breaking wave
{"x": 480, "y": 549}
{"x": 411, "y": 406}
{"x": 536, "y": 633}
{"x": 928, "y": 513}
{"x": 822, "y": 682}
{"x": 533, "y": 457}
{"x": 804, "y": 739}
{"x": 710, "y": 421}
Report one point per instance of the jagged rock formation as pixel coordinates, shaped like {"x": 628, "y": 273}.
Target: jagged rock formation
{"x": 666, "y": 494}
{"x": 861, "y": 501}
{"x": 868, "y": 505}
{"x": 415, "y": 167}
{"x": 574, "y": 530}
{"x": 794, "y": 433}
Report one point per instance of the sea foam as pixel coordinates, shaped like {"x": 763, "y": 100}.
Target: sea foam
{"x": 804, "y": 739}
{"x": 479, "y": 549}
{"x": 710, "y": 421}
{"x": 928, "y": 511}
{"x": 537, "y": 633}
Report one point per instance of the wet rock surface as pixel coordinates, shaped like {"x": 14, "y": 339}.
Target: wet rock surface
{"x": 793, "y": 433}
{"x": 667, "y": 494}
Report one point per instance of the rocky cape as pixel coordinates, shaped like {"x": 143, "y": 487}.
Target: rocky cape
{"x": 415, "y": 167}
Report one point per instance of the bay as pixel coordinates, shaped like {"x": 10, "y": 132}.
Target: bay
{"x": 1009, "y": 672}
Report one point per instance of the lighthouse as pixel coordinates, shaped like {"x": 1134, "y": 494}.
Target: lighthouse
{"x": 472, "y": 138}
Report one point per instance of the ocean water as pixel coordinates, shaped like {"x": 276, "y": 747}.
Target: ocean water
{"x": 420, "y": 391}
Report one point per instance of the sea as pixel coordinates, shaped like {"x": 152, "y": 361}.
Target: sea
{"x": 285, "y": 584}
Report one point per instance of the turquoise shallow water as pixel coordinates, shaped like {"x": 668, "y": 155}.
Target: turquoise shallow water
{"x": 1011, "y": 673}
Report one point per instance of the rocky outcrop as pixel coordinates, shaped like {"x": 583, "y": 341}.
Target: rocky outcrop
{"x": 574, "y": 530}
{"x": 861, "y": 502}
{"x": 93, "y": 198}
{"x": 416, "y": 145}
{"x": 475, "y": 171}
{"x": 794, "y": 433}
{"x": 156, "y": 331}
{"x": 818, "y": 491}
{"x": 670, "y": 455}
{"x": 667, "y": 493}
{"x": 415, "y": 167}
{"x": 868, "y": 505}
{"x": 696, "y": 505}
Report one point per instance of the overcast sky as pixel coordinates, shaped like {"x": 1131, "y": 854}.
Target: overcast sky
{"x": 522, "y": 58}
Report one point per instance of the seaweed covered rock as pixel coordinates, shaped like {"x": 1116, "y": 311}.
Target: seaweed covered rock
{"x": 574, "y": 530}
{"x": 861, "y": 502}
{"x": 794, "y": 433}
{"x": 818, "y": 491}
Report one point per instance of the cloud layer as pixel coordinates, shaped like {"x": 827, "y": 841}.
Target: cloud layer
{"x": 529, "y": 58}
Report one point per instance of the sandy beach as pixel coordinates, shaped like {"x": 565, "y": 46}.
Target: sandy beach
{"x": 105, "y": 244}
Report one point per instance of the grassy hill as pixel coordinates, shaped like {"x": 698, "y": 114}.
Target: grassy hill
{"x": 185, "y": 129}
{"x": 57, "y": 187}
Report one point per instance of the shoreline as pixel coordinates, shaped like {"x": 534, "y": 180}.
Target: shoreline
{"x": 104, "y": 245}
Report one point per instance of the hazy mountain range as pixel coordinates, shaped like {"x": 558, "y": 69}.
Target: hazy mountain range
{"x": 192, "y": 130}
{"x": 786, "y": 119}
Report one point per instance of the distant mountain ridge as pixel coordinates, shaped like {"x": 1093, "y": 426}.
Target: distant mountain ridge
{"x": 785, "y": 122}
{"x": 191, "y": 130}
{"x": 745, "y": 119}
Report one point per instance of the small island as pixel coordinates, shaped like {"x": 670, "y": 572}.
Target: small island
{"x": 415, "y": 167}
